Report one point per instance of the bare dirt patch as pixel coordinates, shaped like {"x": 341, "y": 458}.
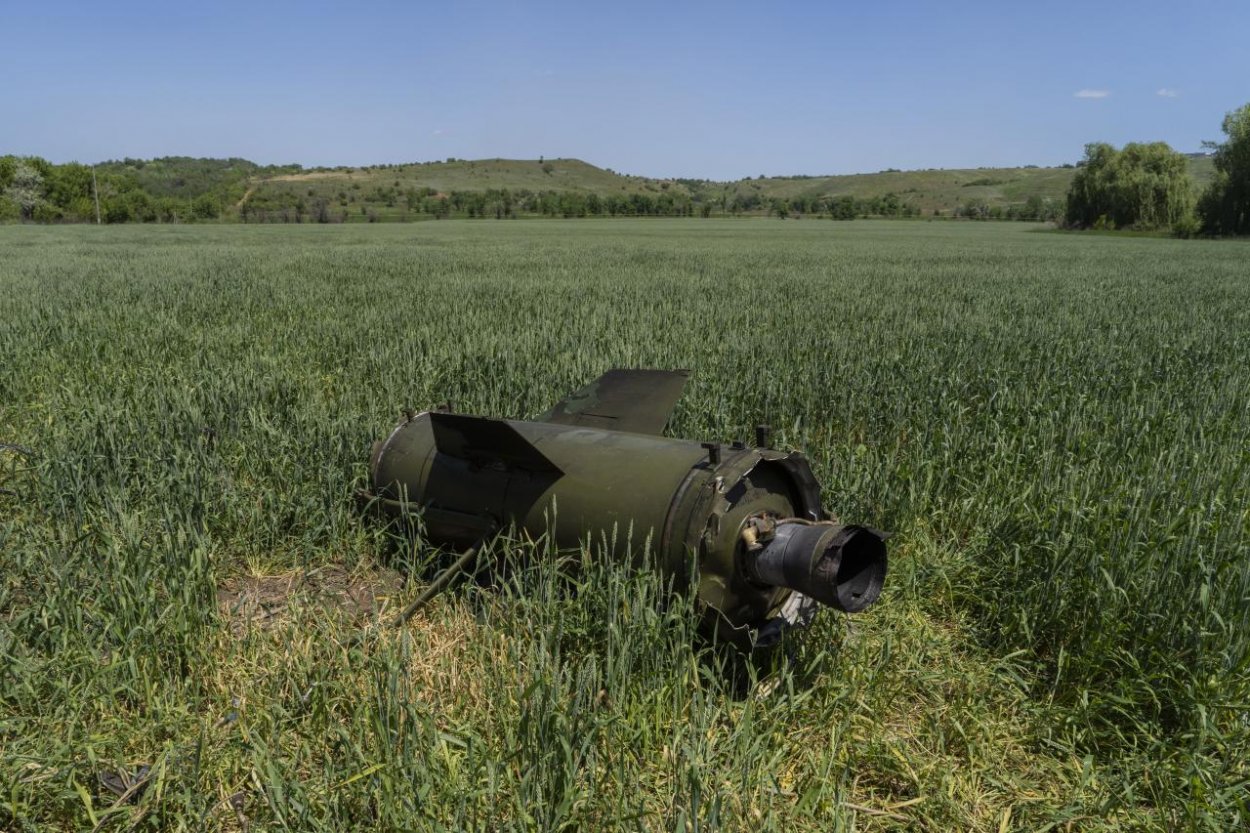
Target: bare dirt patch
{"x": 263, "y": 601}
{"x": 311, "y": 175}
{"x": 250, "y": 190}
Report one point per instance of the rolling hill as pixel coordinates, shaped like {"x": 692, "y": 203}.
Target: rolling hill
{"x": 180, "y": 189}
{"x": 382, "y": 188}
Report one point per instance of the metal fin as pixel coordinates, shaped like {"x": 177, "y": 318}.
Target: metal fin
{"x": 487, "y": 441}
{"x": 638, "y": 401}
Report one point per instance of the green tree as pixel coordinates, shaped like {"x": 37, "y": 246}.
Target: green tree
{"x": 975, "y": 208}
{"x": 68, "y": 189}
{"x": 25, "y": 188}
{"x": 1225, "y": 205}
{"x": 1144, "y": 185}
{"x": 205, "y": 207}
{"x": 1033, "y": 208}
{"x": 8, "y": 164}
{"x": 843, "y": 208}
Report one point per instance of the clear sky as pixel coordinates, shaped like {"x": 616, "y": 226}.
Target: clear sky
{"x": 718, "y": 90}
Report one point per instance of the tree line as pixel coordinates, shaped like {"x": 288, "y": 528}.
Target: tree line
{"x": 290, "y": 206}
{"x": 1140, "y": 186}
{"x": 1147, "y": 186}
{"x": 497, "y": 203}
{"x": 181, "y": 189}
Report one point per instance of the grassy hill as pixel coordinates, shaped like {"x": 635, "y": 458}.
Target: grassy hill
{"x": 477, "y": 175}
{"x": 185, "y": 177}
{"x": 178, "y": 189}
{"x": 927, "y": 189}
{"x": 936, "y": 188}
{"x": 382, "y": 189}
{"x": 396, "y": 192}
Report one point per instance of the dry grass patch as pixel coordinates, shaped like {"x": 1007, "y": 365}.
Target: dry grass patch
{"x": 357, "y": 595}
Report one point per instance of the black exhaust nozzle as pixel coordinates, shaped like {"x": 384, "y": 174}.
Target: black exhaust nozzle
{"x": 840, "y": 566}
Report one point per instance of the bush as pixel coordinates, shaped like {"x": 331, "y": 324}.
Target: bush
{"x": 1186, "y": 227}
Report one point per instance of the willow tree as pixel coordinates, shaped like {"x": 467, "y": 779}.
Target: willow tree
{"x": 1144, "y": 186}
{"x": 1225, "y": 205}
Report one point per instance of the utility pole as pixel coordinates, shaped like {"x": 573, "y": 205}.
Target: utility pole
{"x": 96, "y": 191}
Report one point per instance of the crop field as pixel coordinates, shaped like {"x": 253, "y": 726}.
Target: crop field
{"x": 195, "y": 622}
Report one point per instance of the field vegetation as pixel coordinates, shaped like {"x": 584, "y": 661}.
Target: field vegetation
{"x": 194, "y": 620}
{"x": 180, "y": 190}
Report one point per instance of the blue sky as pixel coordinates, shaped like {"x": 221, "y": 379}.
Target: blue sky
{"x": 716, "y": 90}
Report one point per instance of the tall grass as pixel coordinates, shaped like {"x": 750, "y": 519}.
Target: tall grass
{"x": 1056, "y": 427}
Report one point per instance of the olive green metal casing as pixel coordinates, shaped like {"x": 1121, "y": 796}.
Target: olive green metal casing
{"x": 688, "y": 500}
{"x": 595, "y": 470}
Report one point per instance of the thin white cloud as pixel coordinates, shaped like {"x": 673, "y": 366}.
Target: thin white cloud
{"x": 1092, "y": 93}
{"x": 1167, "y": 92}
{"x": 439, "y": 132}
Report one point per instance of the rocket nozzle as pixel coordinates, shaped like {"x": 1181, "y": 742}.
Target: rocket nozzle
{"x": 840, "y": 566}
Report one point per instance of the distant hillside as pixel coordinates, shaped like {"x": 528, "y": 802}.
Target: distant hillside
{"x": 186, "y": 178}
{"x": 479, "y": 175}
{"x": 396, "y": 192}
{"x": 943, "y": 190}
{"x": 385, "y": 190}
{"x": 930, "y": 190}
{"x": 179, "y": 189}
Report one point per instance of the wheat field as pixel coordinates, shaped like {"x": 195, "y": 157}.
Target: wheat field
{"x": 194, "y": 619}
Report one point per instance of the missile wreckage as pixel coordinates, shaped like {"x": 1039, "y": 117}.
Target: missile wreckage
{"x": 741, "y": 526}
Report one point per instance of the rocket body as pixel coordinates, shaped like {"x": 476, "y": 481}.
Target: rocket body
{"x": 705, "y": 514}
